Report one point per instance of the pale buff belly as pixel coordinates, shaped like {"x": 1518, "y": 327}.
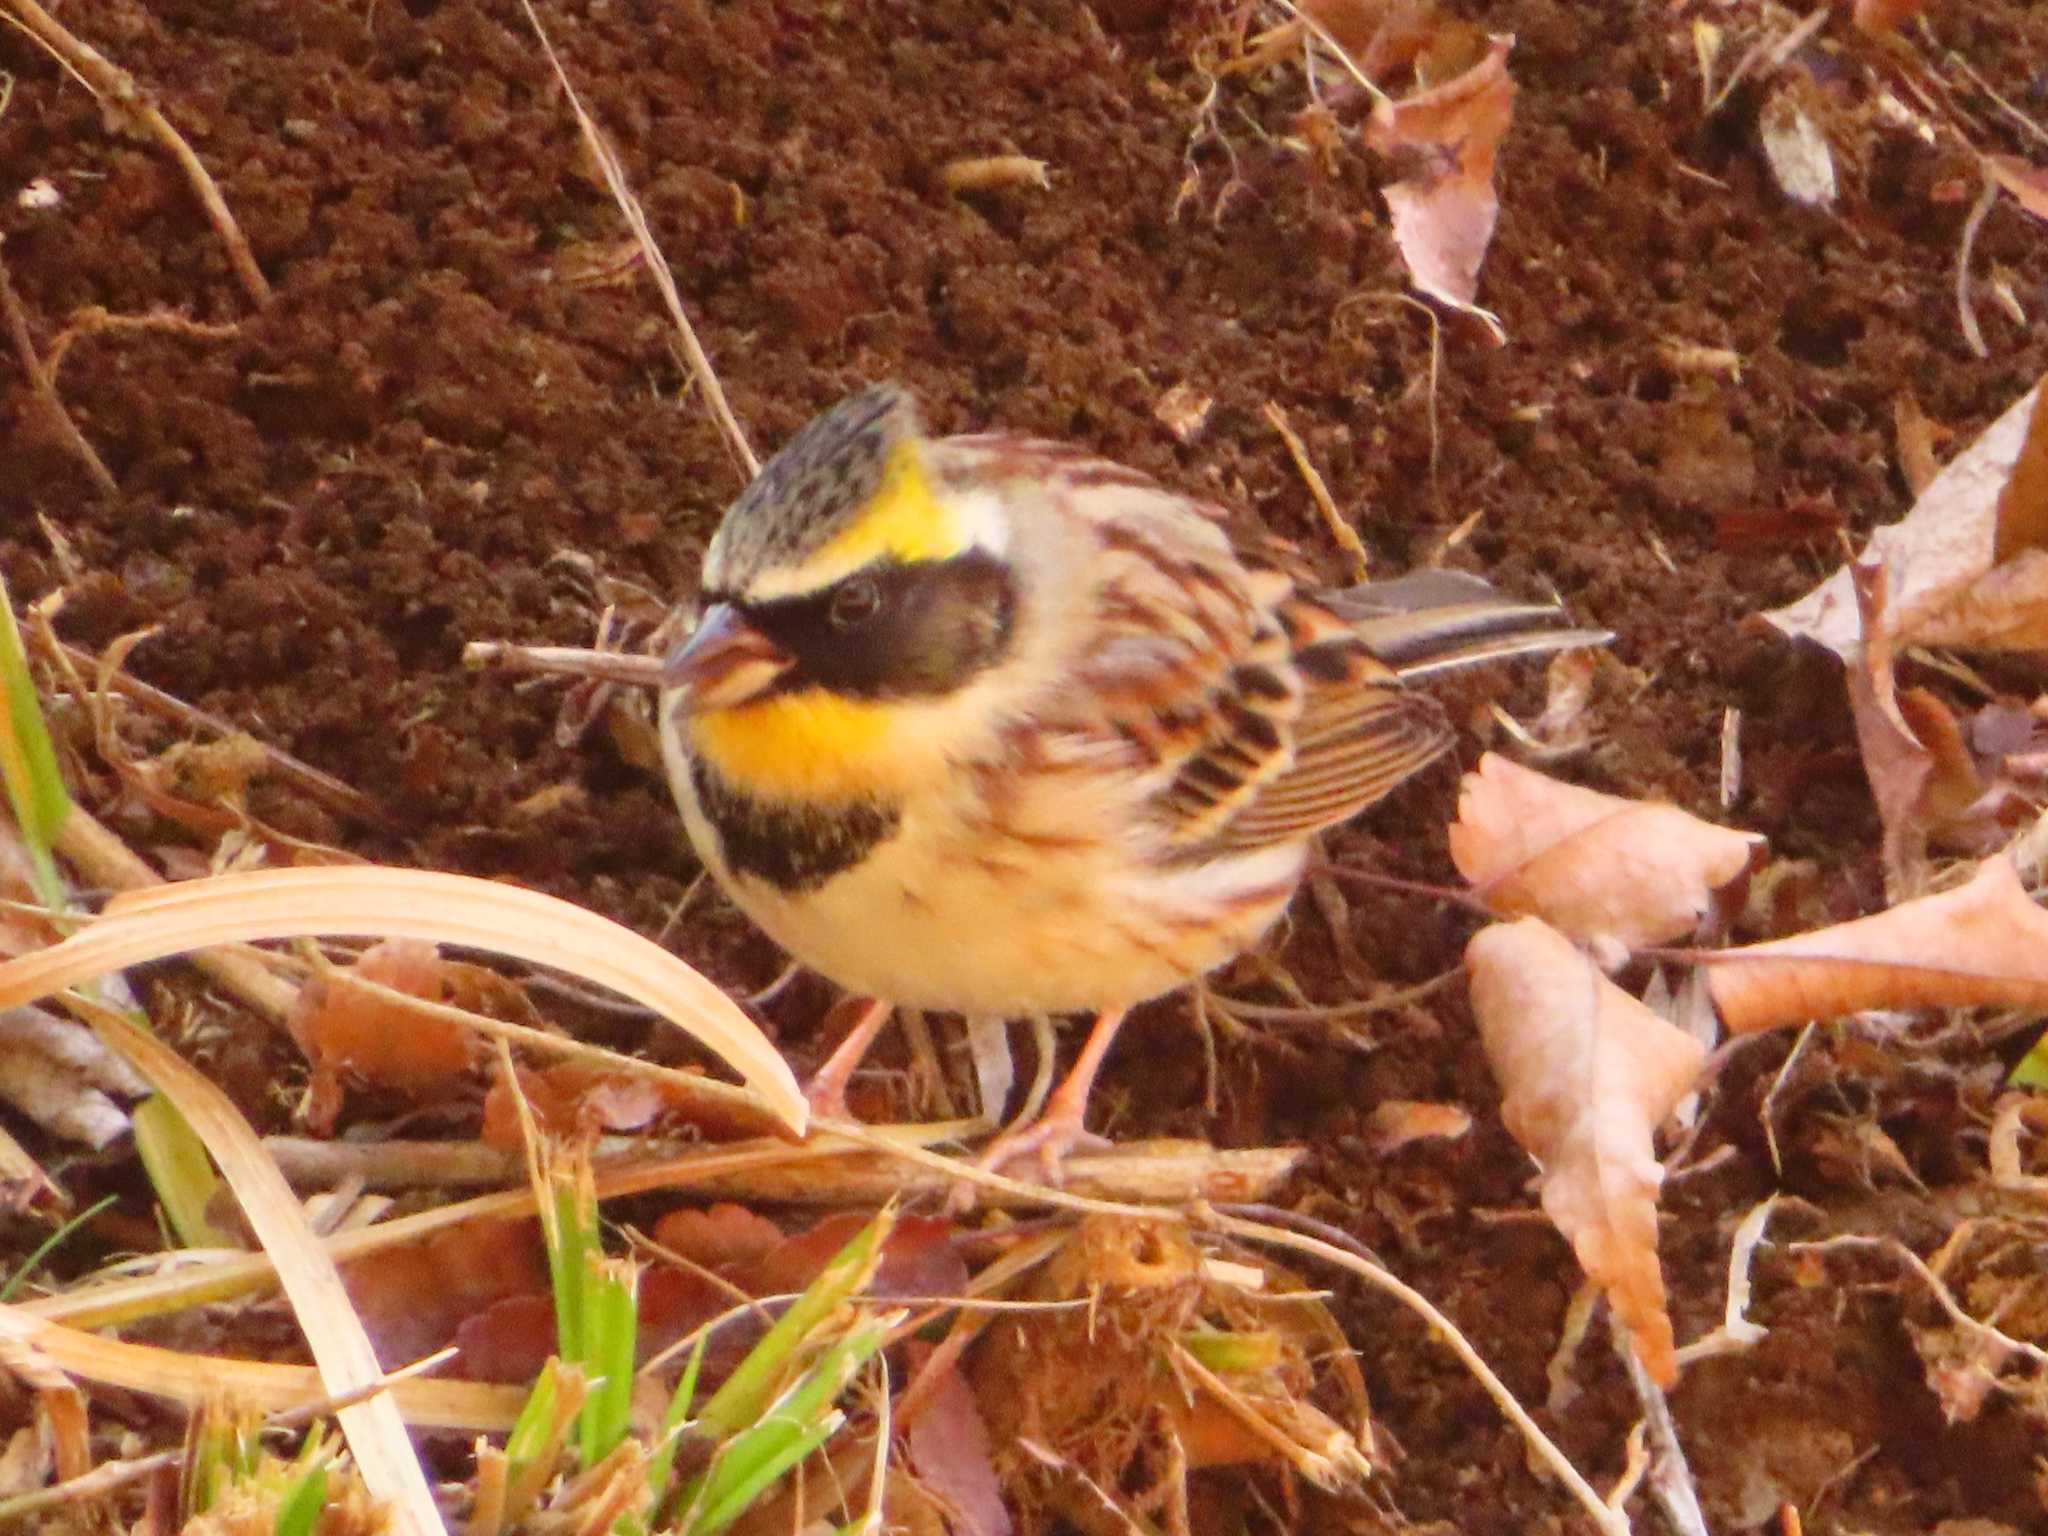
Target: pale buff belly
{"x": 937, "y": 920}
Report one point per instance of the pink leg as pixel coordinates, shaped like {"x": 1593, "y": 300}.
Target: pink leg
{"x": 827, "y": 1092}
{"x": 1061, "y": 1126}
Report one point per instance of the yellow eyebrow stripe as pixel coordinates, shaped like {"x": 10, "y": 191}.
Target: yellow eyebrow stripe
{"x": 903, "y": 522}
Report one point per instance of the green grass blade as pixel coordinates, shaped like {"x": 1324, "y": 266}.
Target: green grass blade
{"x": 175, "y": 1160}
{"x": 568, "y": 1269}
{"x": 661, "y": 1457}
{"x": 745, "y": 1395}
{"x": 49, "y": 1245}
{"x": 2032, "y": 1071}
{"x": 530, "y": 1430}
{"x": 611, "y": 1326}
{"x": 299, "y": 1510}
{"x": 28, "y": 762}
{"x": 734, "y": 1502}
{"x": 786, "y": 1432}
{"x": 1233, "y": 1354}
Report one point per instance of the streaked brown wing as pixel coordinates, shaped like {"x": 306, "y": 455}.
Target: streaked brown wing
{"x": 1360, "y": 734}
{"x": 1264, "y": 712}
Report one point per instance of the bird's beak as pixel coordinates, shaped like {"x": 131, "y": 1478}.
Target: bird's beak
{"x": 725, "y": 662}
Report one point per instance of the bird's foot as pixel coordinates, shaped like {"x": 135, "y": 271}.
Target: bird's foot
{"x": 826, "y": 1093}
{"x": 1049, "y": 1138}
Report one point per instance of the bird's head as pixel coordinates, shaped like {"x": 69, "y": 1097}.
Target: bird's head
{"x": 849, "y": 599}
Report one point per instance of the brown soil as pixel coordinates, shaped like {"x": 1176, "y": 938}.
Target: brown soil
{"x": 318, "y": 510}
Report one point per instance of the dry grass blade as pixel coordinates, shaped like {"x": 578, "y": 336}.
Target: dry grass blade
{"x": 442, "y": 908}
{"x": 657, "y": 265}
{"x": 1613, "y": 1522}
{"x": 119, "y": 94}
{"x": 191, "y": 1380}
{"x": 44, "y": 386}
{"x": 341, "y": 1348}
{"x": 737, "y": 1170}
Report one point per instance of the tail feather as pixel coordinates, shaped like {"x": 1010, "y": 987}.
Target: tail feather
{"x": 1436, "y": 621}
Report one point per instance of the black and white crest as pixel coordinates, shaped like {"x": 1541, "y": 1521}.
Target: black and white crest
{"x": 810, "y": 491}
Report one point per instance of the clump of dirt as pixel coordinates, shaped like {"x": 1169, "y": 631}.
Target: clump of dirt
{"x": 462, "y": 377}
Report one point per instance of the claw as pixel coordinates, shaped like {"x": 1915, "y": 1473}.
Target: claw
{"x": 1056, "y": 1132}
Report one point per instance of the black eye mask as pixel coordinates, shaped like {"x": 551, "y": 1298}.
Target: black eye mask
{"x": 894, "y": 631}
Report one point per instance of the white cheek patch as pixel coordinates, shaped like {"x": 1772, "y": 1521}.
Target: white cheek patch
{"x": 981, "y": 517}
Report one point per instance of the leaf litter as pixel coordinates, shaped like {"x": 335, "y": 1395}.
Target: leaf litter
{"x": 1832, "y": 447}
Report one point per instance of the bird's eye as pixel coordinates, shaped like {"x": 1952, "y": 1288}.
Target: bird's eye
{"x": 855, "y": 602}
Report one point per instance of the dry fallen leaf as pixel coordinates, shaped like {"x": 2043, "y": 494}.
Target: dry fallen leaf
{"x": 1966, "y": 566}
{"x": 948, "y": 1444}
{"x": 1444, "y": 205}
{"x": 1184, "y": 411}
{"x": 1397, "y": 1122}
{"x": 1895, "y": 761}
{"x": 1983, "y": 943}
{"x": 1797, "y": 151}
{"x": 1925, "y": 778}
{"x": 1596, "y": 866}
{"x": 1916, "y": 436}
{"x": 2027, "y": 182}
{"x": 1587, "y": 1074}
{"x": 343, "y": 1029}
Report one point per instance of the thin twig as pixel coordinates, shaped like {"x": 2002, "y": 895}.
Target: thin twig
{"x": 45, "y": 388}
{"x": 1671, "y": 1480}
{"x": 1986, "y": 196}
{"x": 622, "y": 667}
{"x": 657, "y": 264}
{"x": 94, "y": 320}
{"x": 317, "y": 784}
{"x": 1169, "y": 1174}
{"x": 118, "y": 92}
{"x": 1355, "y": 1259}
{"x": 1346, "y": 536}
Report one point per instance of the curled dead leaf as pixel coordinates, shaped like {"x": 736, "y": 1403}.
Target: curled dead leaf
{"x": 1444, "y": 205}
{"x": 1587, "y": 1074}
{"x": 1967, "y": 565}
{"x": 343, "y": 1029}
{"x": 1983, "y": 943}
{"x": 1596, "y": 866}
{"x": 1397, "y": 1122}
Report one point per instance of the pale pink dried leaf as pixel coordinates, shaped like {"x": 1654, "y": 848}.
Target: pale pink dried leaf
{"x": 1184, "y": 411}
{"x": 1895, "y": 761}
{"x": 1444, "y": 207}
{"x": 948, "y": 1445}
{"x": 1594, "y": 865}
{"x": 1915, "y": 434}
{"x": 1942, "y": 549}
{"x": 1397, "y": 1122}
{"x": 1587, "y": 1074}
{"x": 2027, "y": 182}
{"x": 1982, "y": 944}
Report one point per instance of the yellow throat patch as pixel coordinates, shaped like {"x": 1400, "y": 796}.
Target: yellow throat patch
{"x": 811, "y": 745}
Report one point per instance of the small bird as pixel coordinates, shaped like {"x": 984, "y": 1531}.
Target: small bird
{"x": 989, "y": 725}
